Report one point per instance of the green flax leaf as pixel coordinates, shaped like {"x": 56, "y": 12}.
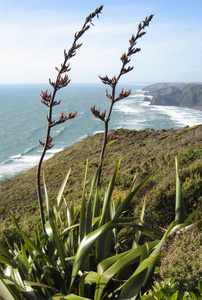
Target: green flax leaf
{"x": 48, "y": 207}
{"x": 74, "y": 297}
{"x": 109, "y": 193}
{"x": 179, "y": 202}
{"x": 5, "y": 252}
{"x": 59, "y": 196}
{"x": 53, "y": 234}
{"x": 112, "y": 265}
{"x": 131, "y": 288}
{"x": 138, "y": 232}
{"x": 156, "y": 251}
{"x": 86, "y": 245}
{"x": 129, "y": 198}
{"x": 6, "y": 292}
{"x": 91, "y": 278}
{"x": 8, "y": 262}
{"x": 82, "y": 223}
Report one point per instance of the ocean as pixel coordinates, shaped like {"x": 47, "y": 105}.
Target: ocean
{"x": 23, "y": 119}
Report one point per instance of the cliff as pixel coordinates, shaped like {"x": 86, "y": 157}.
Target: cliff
{"x": 177, "y": 94}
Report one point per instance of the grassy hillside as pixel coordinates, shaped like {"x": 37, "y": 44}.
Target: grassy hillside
{"x": 141, "y": 153}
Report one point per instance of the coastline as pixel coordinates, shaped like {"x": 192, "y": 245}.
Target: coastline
{"x": 62, "y": 151}
{"x": 26, "y": 125}
{"x": 197, "y": 107}
{"x": 192, "y": 107}
{"x": 174, "y": 94}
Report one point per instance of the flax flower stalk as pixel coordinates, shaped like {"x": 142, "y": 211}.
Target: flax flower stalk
{"x": 62, "y": 80}
{"x": 125, "y": 58}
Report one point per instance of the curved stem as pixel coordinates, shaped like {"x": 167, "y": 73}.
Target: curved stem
{"x": 106, "y": 133}
{"x": 38, "y": 178}
{"x": 57, "y": 85}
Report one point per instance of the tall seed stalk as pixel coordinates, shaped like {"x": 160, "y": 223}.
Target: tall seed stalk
{"x": 125, "y": 58}
{"x": 62, "y": 80}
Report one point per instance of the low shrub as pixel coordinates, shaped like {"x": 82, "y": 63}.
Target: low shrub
{"x": 12, "y": 235}
{"x": 162, "y": 197}
{"x": 168, "y": 290}
{"x": 183, "y": 259}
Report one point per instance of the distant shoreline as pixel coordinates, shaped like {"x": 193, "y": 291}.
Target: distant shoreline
{"x": 185, "y": 95}
{"x": 197, "y": 107}
{"x": 192, "y": 107}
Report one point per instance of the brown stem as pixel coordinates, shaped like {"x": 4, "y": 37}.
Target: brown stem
{"x": 106, "y": 133}
{"x": 57, "y": 85}
{"x": 114, "y": 81}
{"x": 38, "y": 178}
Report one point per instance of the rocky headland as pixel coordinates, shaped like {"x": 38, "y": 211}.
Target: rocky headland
{"x": 175, "y": 94}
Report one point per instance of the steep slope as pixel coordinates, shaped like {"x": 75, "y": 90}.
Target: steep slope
{"x": 141, "y": 152}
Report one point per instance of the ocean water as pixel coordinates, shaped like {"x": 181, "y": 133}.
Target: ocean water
{"x": 23, "y": 119}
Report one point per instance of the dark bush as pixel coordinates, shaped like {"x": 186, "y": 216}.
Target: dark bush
{"x": 183, "y": 258}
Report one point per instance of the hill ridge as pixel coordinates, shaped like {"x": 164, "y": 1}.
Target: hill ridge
{"x": 141, "y": 152}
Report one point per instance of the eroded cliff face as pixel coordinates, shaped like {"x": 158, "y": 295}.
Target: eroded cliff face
{"x": 175, "y": 94}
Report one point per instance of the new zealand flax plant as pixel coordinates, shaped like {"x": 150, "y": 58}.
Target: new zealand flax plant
{"x": 112, "y": 83}
{"x": 69, "y": 262}
{"x": 48, "y": 99}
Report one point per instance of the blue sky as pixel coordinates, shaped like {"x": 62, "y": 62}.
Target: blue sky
{"x": 34, "y": 34}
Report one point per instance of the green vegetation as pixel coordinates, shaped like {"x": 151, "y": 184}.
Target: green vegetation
{"x": 183, "y": 259}
{"x": 102, "y": 237}
{"x": 141, "y": 152}
{"x": 79, "y": 256}
{"x": 169, "y": 290}
{"x": 155, "y": 217}
{"x": 186, "y": 95}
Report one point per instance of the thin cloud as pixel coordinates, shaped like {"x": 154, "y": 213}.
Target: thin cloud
{"x": 32, "y": 44}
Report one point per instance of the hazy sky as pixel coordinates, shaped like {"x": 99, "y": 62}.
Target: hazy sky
{"x": 34, "y": 34}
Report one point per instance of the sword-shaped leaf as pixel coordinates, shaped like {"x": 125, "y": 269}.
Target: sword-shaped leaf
{"x": 74, "y": 297}
{"x": 179, "y": 201}
{"x": 51, "y": 231}
{"x": 82, "y": 223}
{"x": 131, "y": 288}
{"x": 86, "y": 245}
{"x": 109, "y": 193}
{"x": 61, "y": 191}
{"x": 138, "y": 232}
{"x": 8, "y": 262}
{"x": 129, "y": 198}
{"x": 156, "y": 251}
{"x": 5, "y": 252}
{"x": 6, "y": 291}
{"x": 48, "y": 207}
{"x": 112, "y": 265}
